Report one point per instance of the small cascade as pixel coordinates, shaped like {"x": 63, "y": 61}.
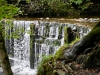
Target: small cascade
{"x": 44, "y": 44}
{"x": 28, "y": 49}
{"x": 21, "y": 46}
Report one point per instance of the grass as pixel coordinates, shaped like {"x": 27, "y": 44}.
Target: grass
{"x": 43, "y": 63}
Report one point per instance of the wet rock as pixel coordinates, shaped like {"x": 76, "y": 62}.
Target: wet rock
{"x": 11, "y": 62}
{"x": 60, "y": 72}
{"x": 69, "y": 55}
{"x": 69, "y": 69}
{"x": 80, "y": 58}
{"x": 59, "y": 36}
{"x": 58, "y": 64}
{"x": 55, "y": 72}
{"x": 72, "y": 66}
{"x": 92, "y": 59}
{"x": 68, "y": 34}
{"x": 87, "y": 50}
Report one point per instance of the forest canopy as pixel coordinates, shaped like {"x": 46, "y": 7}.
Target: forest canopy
{"x": 58, "y": 8}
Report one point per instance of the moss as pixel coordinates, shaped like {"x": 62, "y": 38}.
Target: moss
{"x": 60, "y": 32}
{"x": 74, "y": 41}
{"x": 65, "y": 34}
{"x": 57, "y": 43}
{"x": 47, "y": 30}
{"x": 45, "y": 66}
{"x": 32, "y": 28}
{"x": 40, "y": 41}
{"x": 32, "y": 45}
{"x": 60, "y": 51}
{"x": 60, "y": 29}
{"x": 94, "y": 32}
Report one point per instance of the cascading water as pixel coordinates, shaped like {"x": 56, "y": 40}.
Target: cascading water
{"x": 21, "y": 48}
{"x": 47, "y": 40}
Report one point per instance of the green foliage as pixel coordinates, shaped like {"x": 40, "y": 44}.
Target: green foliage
{"x": 43, "y": 65}
{"x": 86, "y": 5}
{"x": 7, "y": 10}
{"x": 76, "y": 1}
{"x": 82, "y": 4}
{"x": 57, "y": 5}
{"x": 47, "y": 7}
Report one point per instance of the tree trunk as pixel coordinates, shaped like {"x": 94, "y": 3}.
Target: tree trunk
{"x": 5, "y": 64}
{"x": 89, "y": 41}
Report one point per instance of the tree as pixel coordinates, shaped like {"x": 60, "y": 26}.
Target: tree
{"x": 7, "y": 11}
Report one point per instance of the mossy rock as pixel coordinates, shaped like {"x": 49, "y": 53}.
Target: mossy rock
{"x": 60, "y": 52}
{"x": 92, "y": 60}
{"x": 60, "y": 32}
{"x": 67, "y": 31}
{"x": 32, "y": 28}
{"x": 57, "y": 43}
{"x": 69, "y": 35}
{"x": 47, "y": 29}
{"x": 45, "y": 67}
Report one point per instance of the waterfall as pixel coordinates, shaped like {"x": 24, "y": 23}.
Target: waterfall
{"x": 49, "y": 36}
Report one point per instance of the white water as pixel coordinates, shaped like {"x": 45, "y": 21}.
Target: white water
{"x": 22, "y": 51}
{"x": 22, "y": 45}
